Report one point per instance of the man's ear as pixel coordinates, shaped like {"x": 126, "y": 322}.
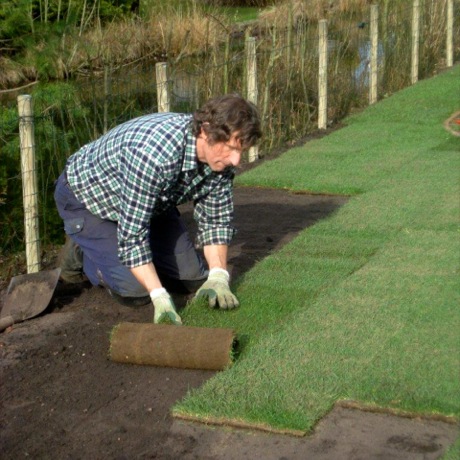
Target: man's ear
{"x": 203, "y": 133}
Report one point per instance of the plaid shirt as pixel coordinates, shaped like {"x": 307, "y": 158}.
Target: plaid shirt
{"x": 144, "y": 167}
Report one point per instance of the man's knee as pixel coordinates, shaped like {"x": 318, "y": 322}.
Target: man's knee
{"x": 121, "y": 284}
{"x": 121, "y": 281}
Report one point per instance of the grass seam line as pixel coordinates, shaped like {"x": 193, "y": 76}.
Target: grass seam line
{"x": 374, "y": 408}
{"x": 447, "y": 123}
{"x": 237, "y": 423}
{"x": 293, "y": 191}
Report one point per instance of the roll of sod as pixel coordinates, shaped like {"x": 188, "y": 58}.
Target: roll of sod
{"x": 165, "y": 345}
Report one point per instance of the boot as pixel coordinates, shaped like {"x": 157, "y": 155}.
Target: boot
{"x": 70, "y": 260}
{"x": 129, "y": 301}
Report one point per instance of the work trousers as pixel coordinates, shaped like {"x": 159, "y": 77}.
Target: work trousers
{"x": 180, "y": 267}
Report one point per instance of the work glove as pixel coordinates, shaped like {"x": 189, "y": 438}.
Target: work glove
{"x": 217, "y": 290}
{"x": 164, "y": 307}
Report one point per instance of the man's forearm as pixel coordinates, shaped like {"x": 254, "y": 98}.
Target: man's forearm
{"x": 216, "y": 255}
{"x": 162, "y": 301}
{"x": 147, "y": 276}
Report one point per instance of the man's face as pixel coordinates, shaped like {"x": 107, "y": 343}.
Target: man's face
{"x": 220, "y": 155}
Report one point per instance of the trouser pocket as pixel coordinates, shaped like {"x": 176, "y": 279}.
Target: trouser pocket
{"x": 74, "y": 225}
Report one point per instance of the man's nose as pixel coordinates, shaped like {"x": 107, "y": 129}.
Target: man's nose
{"x": 235, "y": 158}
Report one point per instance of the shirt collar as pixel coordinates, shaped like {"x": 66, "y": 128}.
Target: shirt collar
{"x": 191, "y": 162}
{"x": 190, "y": 159}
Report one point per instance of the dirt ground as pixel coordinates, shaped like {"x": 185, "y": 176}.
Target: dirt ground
{"x": 62, "y": 398}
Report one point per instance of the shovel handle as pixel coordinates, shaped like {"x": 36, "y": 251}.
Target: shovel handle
{"x": 5, "y": 322}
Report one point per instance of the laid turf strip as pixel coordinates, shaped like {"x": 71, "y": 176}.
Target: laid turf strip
{"x": 364, "y": 305}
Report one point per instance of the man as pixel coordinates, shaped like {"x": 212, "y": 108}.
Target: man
{"x": 118, "y": 195}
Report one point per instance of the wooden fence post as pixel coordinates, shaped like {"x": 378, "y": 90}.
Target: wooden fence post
{"x": 161, "y": 69}
{"x": 415, "y": 40}
{"x": 196, "y": 94}
{"x": 268, "y": 79}
{"x": 322, "y": 74}
{"x": 289, "y": 41}
{"x": 226, "y": 58}
{"x": 251, "y": 69}
{"x": 106, "y": 97}
{"x": 29, "y": 183}
{"x": 450, "y": 34}
{"x": 374, "y": 30}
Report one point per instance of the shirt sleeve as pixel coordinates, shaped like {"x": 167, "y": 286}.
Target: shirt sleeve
{"x": 142, "y": 181}
{"x": 214, "y": 214}
{"x": 148, "y": 168}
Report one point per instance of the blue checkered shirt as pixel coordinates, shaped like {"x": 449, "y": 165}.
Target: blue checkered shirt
{"x": 144, "y": 167}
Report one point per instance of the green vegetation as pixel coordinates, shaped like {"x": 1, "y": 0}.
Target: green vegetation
{"x": 62, "y": 39}
{"x": 234, "y": 13}
{"x": 453, "y": 452}
{"x": 60, "y": 108}
{"x": 363, "y": 305}
{"x": 242, "y": 14}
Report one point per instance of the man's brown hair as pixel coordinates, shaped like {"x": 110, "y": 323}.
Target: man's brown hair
{"x": 224, "y": 115}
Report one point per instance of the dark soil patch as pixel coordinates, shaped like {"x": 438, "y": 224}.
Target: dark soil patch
{"x": 62, "y": 398}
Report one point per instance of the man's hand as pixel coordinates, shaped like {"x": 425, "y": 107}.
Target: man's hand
{"x": 217, "y": 290}
{"x": 164, "y": 307}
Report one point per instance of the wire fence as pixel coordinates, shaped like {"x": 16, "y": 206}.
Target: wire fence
{"x": 290, "y": 60}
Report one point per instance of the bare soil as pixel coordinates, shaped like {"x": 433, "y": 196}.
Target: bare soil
{"x": 62, "y": 398}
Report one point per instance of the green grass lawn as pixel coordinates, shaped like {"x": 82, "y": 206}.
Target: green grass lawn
{"x": 242, "y": 13}
{"x": 364, "y": 305}
{"x": 234, "y": 14}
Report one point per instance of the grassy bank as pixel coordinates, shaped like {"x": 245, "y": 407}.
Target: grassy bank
{"x": 363, "y": 305}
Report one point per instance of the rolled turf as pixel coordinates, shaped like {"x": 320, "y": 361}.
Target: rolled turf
{"x": 172, "y": 346}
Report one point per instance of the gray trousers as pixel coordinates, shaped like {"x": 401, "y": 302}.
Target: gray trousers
{"x": 180, "y": 267}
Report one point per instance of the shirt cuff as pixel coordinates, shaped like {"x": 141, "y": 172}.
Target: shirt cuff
{"x": 135, "y": 257}
{"x": 217, "y": 235}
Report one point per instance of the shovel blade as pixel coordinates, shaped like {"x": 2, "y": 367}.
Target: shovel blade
{"x": 29, "y": 295}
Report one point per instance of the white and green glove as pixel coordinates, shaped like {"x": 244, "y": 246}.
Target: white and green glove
{"x": 217, "y": 290}
{"x": 164, "y": 307}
